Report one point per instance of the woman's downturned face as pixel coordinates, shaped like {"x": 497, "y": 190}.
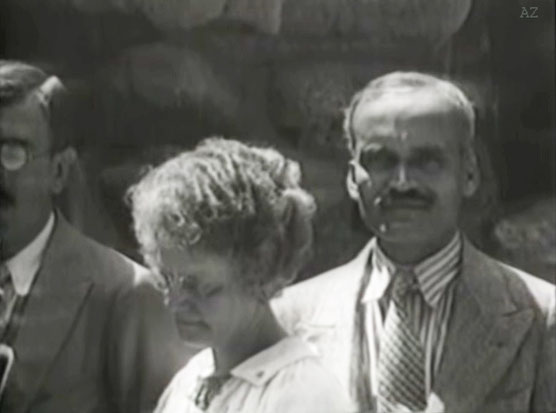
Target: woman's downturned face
{"x": 209, "y": 305}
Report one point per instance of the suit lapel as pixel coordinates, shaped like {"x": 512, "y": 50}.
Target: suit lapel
{"x": 334, "y": 303}
{"x": 486, "y": 330}
{"x": 333, "y": 322}
{"x": 54, "y": 303}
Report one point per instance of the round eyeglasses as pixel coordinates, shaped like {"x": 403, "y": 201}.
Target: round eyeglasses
{"x": 15, "y": 155}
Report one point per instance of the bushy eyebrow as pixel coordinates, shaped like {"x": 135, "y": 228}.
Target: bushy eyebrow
{"x": 430, "y": 151}
{"x": 373, "y": 147}
{"x": 14, "y": 140}
{"x": 433, "y": 150}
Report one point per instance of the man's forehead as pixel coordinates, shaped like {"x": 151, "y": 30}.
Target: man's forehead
{"x": 26, "y": 122}
{"x": 405, "y": 104}
{"x": 405, "y": 115}
{"x": 25, "y": 113}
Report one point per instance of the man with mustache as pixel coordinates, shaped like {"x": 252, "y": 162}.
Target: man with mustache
{"x": 421, "y": 320}
{"x": 88, "y": 330}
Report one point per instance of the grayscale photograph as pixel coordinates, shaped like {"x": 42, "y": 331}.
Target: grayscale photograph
{"x": 277, "y": 206}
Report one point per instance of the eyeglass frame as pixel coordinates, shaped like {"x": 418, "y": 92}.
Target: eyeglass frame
{"x": 29, "y": 156}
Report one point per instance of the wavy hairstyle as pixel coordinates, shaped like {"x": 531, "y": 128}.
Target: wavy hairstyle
{"x": 229, "y": 198}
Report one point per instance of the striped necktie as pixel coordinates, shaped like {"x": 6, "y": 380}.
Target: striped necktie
{"x": 7, "y": 297}
{"x": 401, "y": 364}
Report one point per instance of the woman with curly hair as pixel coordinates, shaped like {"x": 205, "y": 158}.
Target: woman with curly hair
{"x": 227, "y": 226}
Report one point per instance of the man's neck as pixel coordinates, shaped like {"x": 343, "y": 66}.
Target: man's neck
{"x": 411, "y": 254}
{"x": 11, "y": 246}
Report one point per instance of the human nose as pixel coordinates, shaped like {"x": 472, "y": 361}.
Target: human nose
{"x": 401, "y": 179}
{"x": 180, "y": 299}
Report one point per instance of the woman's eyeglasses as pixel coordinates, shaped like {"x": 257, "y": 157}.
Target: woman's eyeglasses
{"x": 187, "y": 284}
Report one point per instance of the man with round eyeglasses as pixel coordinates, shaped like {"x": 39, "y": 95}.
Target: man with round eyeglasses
{"x": 15, "y": 155}
{"x": 34, "y": 165}
{"x": 88, "y": 330}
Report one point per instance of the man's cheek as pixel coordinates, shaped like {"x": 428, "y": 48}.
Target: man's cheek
{"x": 374, "y": 192}
{"x": 33, "y": 187}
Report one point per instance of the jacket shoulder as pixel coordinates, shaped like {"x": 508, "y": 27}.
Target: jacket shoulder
{"x": 90, "y": 259}
{"x": 529, "y": 288}
{"x": 320, "y": 288}
{"x": 317, "y": 299}
{"x": 321, "y": 282}
{"x": 524, "y": 290}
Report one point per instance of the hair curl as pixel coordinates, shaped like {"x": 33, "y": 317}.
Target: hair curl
{"x": 403, "y": 82}
{"x": 229, "y": 197}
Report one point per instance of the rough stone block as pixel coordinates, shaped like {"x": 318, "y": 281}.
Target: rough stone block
{"x": 168, "y": 76}
{"x": 264, "y": 15}
{"x": 527, "y": 238}
{"x": 307, "y": 100}
{"x": 433, "y": 21}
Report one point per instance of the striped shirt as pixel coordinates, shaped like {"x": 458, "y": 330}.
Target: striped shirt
{"x": 429, "y": 311}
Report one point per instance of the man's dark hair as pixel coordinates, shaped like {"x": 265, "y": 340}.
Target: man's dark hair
{"x": 19, "y": 80}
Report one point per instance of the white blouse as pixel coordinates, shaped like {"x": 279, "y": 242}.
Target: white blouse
{"x": 286, "y": 377}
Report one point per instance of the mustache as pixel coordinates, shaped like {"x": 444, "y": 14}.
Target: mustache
{"x": 409, "y": 197}
{"x": 5, "y": 198}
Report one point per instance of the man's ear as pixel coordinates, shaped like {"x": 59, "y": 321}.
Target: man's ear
{"x": 62, "y": 163}
{"x": 472, "y": 176}
{"x": 351, "y": 181}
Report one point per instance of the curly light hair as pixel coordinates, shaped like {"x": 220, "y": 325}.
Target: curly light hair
{"x": 230, "y": 198}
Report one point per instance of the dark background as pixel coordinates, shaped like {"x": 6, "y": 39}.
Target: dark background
{"x": 153, "y": 77}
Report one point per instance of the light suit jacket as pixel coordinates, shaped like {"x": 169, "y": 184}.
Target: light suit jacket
{"x": 94, "y": 335}
{"x": 500, "y": 349}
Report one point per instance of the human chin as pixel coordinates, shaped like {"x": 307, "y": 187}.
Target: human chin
{"x": 194, "y": 332}
{"x": 406, "y": 217}
{"x": 402, "y": 234}
{"x": 7, "y": 209}
{"x": 403, "y": 226}
{"x": 11, "y": 230}
{"x": 6, "y": 216}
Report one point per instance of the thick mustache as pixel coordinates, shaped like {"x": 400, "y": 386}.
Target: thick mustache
{"x": 409, "y": 197}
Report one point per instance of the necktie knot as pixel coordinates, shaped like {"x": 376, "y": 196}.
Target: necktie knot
{"x": 404, "y": 282}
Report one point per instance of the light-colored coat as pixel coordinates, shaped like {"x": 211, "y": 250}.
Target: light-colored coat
{"x": 94, "y": 336}
{"x": 500, "y": 349}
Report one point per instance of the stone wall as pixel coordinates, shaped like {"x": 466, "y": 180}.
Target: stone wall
{"x": 154, "y": 77}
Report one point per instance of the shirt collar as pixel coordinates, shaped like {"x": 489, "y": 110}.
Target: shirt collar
{"x": 264, "y": 365}
{"x": 382, "y": 271}
{"x": 433, "y": 274}
{"x": 260, "y": 368}
{"x": 25, "y": 264}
